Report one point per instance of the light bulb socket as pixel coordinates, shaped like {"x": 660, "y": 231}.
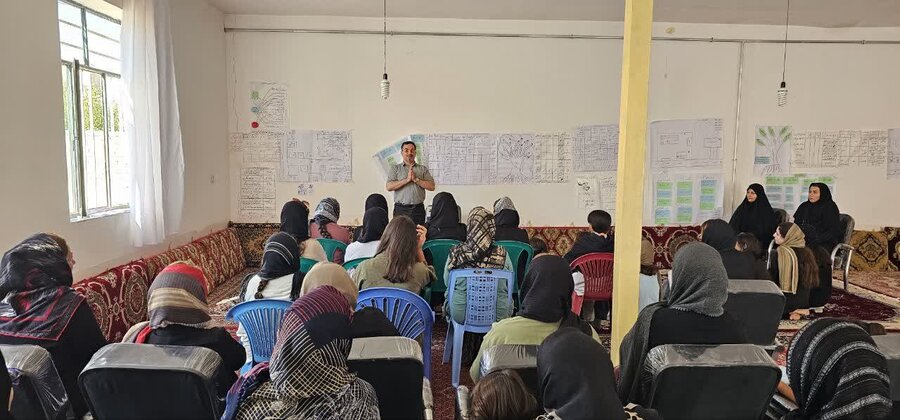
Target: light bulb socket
{"x": 384, "y": 77}
{"x": 783, "y": 83}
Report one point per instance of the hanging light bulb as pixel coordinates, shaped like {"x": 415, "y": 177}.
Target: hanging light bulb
{"x": 782, "y": 90}
{"x": 782, "y": 94}
{"x": 385, "y": 87}
{"x": 385, "y": 83}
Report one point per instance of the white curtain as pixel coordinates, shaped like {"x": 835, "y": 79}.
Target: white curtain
{"x": 152, "y": 127}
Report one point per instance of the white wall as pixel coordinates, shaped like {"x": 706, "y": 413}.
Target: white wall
{"x": 442, "y": 84}
{"x": 32, "y": 149}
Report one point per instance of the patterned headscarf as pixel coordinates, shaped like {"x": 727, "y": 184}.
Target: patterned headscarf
{"x": 328, "y": 211}
{"x": 837, "y": 372}
{"x": 788, "y": 265}
{"x": 36, "y": 287}
{"x": 503, "y": 203}
{"x": 307, "y": 376}
{"x": 478, "y": 251}
{"x": 178, "y": 297}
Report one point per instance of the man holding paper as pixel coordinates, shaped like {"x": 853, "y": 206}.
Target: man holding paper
{"x": 408, "y": 181}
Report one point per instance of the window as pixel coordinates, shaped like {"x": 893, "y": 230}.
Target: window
{"x": 96, "y": 153}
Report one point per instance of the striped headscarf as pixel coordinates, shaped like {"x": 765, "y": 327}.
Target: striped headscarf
{"x": 178, "y": 297}
{"x": 307, "y": 377}
{"x": 478, "y": 251}
{"x": 836, "y": 372}
{"x": 328, "y": 211}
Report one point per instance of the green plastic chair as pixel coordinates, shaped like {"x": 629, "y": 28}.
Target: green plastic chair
{"x": 439, "y": 249}
{"x": 332, "y": 245}
{"x": 306, "y": 264}
{"x": 349, "y": 265}
{"x": 515, "y": 249}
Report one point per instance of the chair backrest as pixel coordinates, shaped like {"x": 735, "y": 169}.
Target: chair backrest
{"x": 394, "y": 367}
{"x": 306, "y": 264}
{"x": 889, "y": 345}
{"x": 408, "y": 311}
{"x": 758, "y": 306}
{"x": 781, "y": 216}
{"x": 521, "y": 358}
{"x": 145, "y": 381}
{"x": 481, "y": 293}
{"x": 436, "y": 252}
{"x": 38, "y": 391}
{"x": 597, "y": 268}
{"x": 330, "y": 246}
{"x": 261, "y": 319}
{"x": 848, "y": 224}
{"x": 520, "y": 254}
{"x": 729, "y": 381}
{"x": 349, "y": 265}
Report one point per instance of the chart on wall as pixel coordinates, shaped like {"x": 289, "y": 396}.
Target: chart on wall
{"x": 256, "y": 198}
{"x": 316, "y": 156}
{"x": 838, "y": 149}
{"x": 462, "y": 158}
{"x": 596, "y": 192}
{"x": 893, "y": 154}
{"x": 773, "y": 150}
{"x": 686, "y": 198}
{"x": 515, "y": 158}
{"x": 595, "y": 148}
{"x": 686, "y": 144}
{"x": 788, "y": 192}
{"x": 268, "y": 109}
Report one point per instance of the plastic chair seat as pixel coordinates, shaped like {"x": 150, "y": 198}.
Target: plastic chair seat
{"x": 261, "y": 319}
{"x": 306, "y": 264}
{"x": 408, "y": 312}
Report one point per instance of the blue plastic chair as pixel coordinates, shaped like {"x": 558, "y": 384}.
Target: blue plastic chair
{"x": 261, "y": 319}
{"x": 515, "y": 249}
{"x": 481, "y": 308}
{"x": 332, "y": 245}
{"x": 408, "y": 311}
{"x": 439, "y": 249}
{"x": 306, "y": 264}
{"x": 349, "y": 265}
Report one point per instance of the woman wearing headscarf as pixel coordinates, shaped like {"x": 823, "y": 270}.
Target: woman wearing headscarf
{"x": 324, "y": 221}
{"x": 755, "y": 215}
{"x": 443, "y": 222}
{"x": 836, "y": 372}
{"x": 295, "y": 222}
{"x": 820, "y": 219}
{"x": 576, "y": 381}
{"x": 546, "y": 306}
{"x": 793, "y": 268}
{"x": 478, "y": 251}
{"x": 279, "y": 276}
{"x": 507, "y": 220}
{"x": 367, "y": 322}
{"x": 40, "y": 308}
{"x": 739, "y": 265}
{"x": 178, "y": 312}
{"x": 400, "y": 261}
{"x": 692, "y": 313}
{"x": 307, "y": 376}
{"x": 366, "y": 246}
{"x": 649, "y": 279}
{"x": 372, "y": 201}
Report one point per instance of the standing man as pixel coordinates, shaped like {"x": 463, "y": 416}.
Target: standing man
{"x": 408, "y": 181}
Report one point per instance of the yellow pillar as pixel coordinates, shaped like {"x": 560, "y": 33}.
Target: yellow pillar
{"x": 630, "y": 174}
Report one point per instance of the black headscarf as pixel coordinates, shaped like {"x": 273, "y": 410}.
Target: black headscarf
{"x": 757, "y": 217}
{"x": 547, "y": 293}
{"x": 444, "y": 221}
{"x": 506, "y": 218}
{"x": 295, "y": 220}
{"x": 575, "y": 376}
{"x": 374, "y": 222}
{"x": 5, "y": 387}
{"x": 281, "y": 256}
{"x": 36, "y": 288}
{"x": 820, "y": 221}
{"x": 372, "y": 201}
{"x": 720, "y": 236}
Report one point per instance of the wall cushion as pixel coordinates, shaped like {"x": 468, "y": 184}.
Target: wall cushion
{"x": 223, "y": 257}
{"x": 118, "y": 297}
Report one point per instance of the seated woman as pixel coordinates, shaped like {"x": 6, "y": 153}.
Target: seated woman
{"x": 177, "y": 308}
{"x": 755, "y": 215}
{"x": 372, "y": 201}
{"x": 295, "y": 222}
{"x": 649, "y": 277}
{"x": 443, "y": 222}
{"x": 502, "y": 395}
{"x": 793, "y": 268}
{"x": 820, "y": 219}
{"x": 400, "y": 261}
{"x": 324, "y": 222}
{"x": 575, "y": 377}
{"x": 692, "y": 313}
{"x": 747, "y": 243}
{"x": 39, "y": 307}
{"x": 546, "y": 307}
{"x": 279, "y": 276}
{"x": 478, "y": 251}
{"x": 740, "y": 266}
{"x": 366, "y": 246}
{"x": 307, "y": 376}
{"x": 507, "y": 220}
{"x": 836, "y": 372}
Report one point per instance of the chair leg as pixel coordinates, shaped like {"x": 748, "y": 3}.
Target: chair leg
{"x": 448, "y": 343}
{"x": 458, "y": 336}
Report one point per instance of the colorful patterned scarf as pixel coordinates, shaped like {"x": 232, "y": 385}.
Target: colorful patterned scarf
{"x": 178, "y": 297}
{"x": 479, "y": 250}
{"x": 328, "y": 211}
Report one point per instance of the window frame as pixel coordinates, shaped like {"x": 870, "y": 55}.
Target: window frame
{"x": 75, "y": 69}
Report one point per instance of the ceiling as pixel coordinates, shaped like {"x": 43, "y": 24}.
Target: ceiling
{"x": 821, "y": 13}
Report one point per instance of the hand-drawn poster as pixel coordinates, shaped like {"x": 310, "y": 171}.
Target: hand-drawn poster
{"x": 595, "y": 148}
{"x": 268, "y": 106}
{"x": 773, "y": 150}
{"x": 687, "y": 144}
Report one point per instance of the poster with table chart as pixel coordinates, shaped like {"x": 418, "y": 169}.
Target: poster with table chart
{"x": 462, "y": 158}
{"x": 686, "y": 198}
{"x": 316, "y": 156}
{"x": 838, "y": 149}
{"x": 686, "y": 144}
{"x": 595, "y": 148}
{"x": 789, "y": 191}
{"x": 893, "y": 154}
